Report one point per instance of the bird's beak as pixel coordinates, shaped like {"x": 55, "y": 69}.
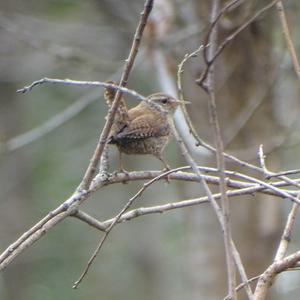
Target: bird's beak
{"x": 182, "y": 101}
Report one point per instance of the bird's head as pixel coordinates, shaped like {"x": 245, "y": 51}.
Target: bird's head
{"x": 165, "y": 102}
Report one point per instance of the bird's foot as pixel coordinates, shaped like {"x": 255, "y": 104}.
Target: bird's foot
{"x": 124, "y": 172}
{"x": 167, "y": 177}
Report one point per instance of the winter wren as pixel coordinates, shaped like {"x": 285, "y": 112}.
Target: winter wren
{"x": 145, "y": 128}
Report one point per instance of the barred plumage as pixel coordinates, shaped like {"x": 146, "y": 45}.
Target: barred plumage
{"x": 144, "y": 129}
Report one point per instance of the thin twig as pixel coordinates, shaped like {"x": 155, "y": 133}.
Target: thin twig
{"x": 268, "y": 174}
{"x": 180, "y": 71}
{"x": 110, "y": 227}
{"x": 228, "y": 39}
{"x": 288, "y": 172}
{"x": 89, "y": 174}
{"x": 214, "y": 23}
{"x": 287, "y": 233}
{"x": 86, "y": 218}
{"x": 266, "y": 279}
{"x": 288, "y": 38}
{"x": 62, "y": 117}
{"x": 262, "y": 160}
{"x": 213, "y": 37}
{"x": 243, "y": 284}
{"x": 200, "y": 142}
{"x": 138, "y": 212}
{"x": 212, "y": 200}
{"x": 71, "y": 82}
{"x": 286, "y": 236}
{"x": 179, "y": 204}
{"x": 56, "y": 121}
{"x": 240, "y": 267}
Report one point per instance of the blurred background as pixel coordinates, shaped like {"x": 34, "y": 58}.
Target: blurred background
{"x": 179, "y": 254}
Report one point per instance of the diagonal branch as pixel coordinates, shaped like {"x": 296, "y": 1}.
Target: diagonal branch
{"x": 288, "y": 38}
{"x": 228, "y": 243}
{"x": 266, "y": 279}
{"x": 54, "y": 122}
{"x": 90, "y": 172}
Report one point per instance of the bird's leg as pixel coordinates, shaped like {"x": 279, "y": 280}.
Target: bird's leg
{"x": 121, "y": 166}
{"x": 167, "y": 167}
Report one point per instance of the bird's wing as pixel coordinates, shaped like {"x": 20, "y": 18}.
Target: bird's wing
{"x": 144, "y": 126}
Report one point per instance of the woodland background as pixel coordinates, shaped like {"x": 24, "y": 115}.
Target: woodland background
{"x": 176, "y": 255}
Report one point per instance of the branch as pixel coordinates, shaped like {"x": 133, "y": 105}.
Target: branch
{"x": 89, "y": 174}
{"x": 70, "y": 206}
{"x": 71, "y": 82}
{"x": 266, "y": 279}
{"x": 59, "y": 119}
{"x": 180, "y": 71}
{"x": 86, "y": 218}
{"x": 200, "y": 81}
{"x": 214, "y": 23}
{"x": 226, "y": 228}
{"x": 287, "y": 233}
{"x": 51, "y": 124}
{"x": 110, "y": 227}
{"x": 288, "y": 38}
{"x": 158, "y": 209}
{"x": 42, "y": 227}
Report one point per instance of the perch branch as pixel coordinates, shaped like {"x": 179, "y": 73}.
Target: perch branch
{"x": 70, "y": 206}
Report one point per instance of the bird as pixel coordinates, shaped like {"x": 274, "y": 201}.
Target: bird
{"x": 143, "y": 129}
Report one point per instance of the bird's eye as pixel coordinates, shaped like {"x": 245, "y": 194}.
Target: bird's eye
{"x": 164, "y": 100}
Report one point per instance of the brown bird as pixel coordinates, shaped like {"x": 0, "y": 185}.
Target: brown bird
{"x": 145, "y": 128}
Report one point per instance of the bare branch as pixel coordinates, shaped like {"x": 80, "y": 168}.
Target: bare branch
{"x": 71, "y": 82}
{"x": 288, "y": 38}
{"x": 82, "y": 216}
{"x": 287, "y": 233}
{"x": 180, "y": 90}
{"x": 89, "y": 174}
{"x": 70, "y": 206}
{"x": 51, "y": 124}
{"x": 215, "y": 22}
{"x": 240, "y": 267}
{"x": 262, "y": 160}
{"x": 266, "y": 279}
{"x": 116, "y": 219}
{"x": 228, "y": 39}
{"x": 210, "y": 88}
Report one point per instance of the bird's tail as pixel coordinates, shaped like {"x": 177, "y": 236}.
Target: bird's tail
{"x": 122, "y": 111}
{"x": 109, "y": 95}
